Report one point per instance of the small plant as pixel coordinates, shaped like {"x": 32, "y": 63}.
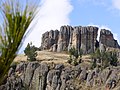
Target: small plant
{"x": 113, "y": 58}
{"x": 94, "y": 64}
{"x": 106, "y": 58}
{"x": 70, "y": 60}
{"x": 74, "y": 55}
{"x": 75, "y": 63}
{"x": 30, "y": 52}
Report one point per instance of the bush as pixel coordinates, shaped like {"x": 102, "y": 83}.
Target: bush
{"x": 74, "y": 55}
{"x": 30, "y": 52}
{"x": 106, "y": 58}
{"x": 113, "y": 59}
{"x": 75, "y": 63}
{"x": 70, "y": 60}
{"x": 94, "y": 64}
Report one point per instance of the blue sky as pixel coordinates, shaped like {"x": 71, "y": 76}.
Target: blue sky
{"x": 55, "y": 13}
{"x": 102, "y": 13}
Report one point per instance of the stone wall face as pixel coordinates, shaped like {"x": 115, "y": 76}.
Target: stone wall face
{"x": 84, "y": 38}
{"x": 39, "y": 76}
{"x": 106, "y": 38}
{"x": 49, "y": 39}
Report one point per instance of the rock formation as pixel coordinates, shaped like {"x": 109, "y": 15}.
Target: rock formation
{"x": 84, "y": 38}
{"x": 79, "y": 37}
{"x": 49, "y": 39}
{"x": 42, "y": 76}
{"x": 107, "y": 39}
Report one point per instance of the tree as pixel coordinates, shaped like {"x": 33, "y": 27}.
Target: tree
{"x": 113, "y": 58}
{"x": 16, "y": 19}
{"x": 30, "y": 52}
{"x": 106, "y": 58}
{"x": 74, "y": 54}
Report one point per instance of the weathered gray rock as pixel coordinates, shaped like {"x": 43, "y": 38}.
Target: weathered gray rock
{"x": 59, "y": 67}
{"x": 63, "y": 40}
{"x": 79, "y": 37}
{"x": 30, "y": 72}
{"x": 107, "y": 39}
{"x": 39, "y": 76}
{"x": 11, "y": 72}
{"x": 13, "y": 83}
{"x": 104, "y": 75}
{"x": 90, "y": 80}
{"x": 83, "y": 75}
{"x": 49, "y": 39}
{"x": 102, "y": 47}
{"x": 53, "y": 79}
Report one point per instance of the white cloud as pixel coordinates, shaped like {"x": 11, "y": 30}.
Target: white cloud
{"x": 52, "y": 14}
{"x": 116, "y": 4}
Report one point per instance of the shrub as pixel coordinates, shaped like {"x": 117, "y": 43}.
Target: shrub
{"x": 113, "y": 59}
{"x": 75, "y": 62}
{"x": 70, "y": 60}
{"x": 30, "y": 52}
{"x": 74, "y": 55}
{"x": 106, "y": 58}
{"x": 94, "y": 64}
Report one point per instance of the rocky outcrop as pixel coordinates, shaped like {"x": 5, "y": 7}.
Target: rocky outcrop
{"x": 107, "y": 39}
{"x": 49, "y": 39}
{"x": 42, "y": 76}
{"x": 84, "y": 38}
{"x": 79, "y": 37}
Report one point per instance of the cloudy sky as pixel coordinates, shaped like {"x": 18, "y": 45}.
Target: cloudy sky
{"x": 55, "y": 13}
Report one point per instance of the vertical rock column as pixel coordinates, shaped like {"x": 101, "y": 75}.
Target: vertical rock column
{"x": 63, "y": 40}
{"x": 84, "y": 39}
{"x": 93, "y": 32}
{"x": 76, "y": 38}
{"x": 88, "y": 39}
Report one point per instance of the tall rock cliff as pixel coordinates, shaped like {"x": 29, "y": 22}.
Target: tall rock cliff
{"x": 79, "y": 37}
{"x": 107, "y": 39}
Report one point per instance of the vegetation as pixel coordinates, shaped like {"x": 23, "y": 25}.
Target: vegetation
{"x": 16, "y": 19}
{"x": 30, "y": 52}
{"x": 104, "y": 59}
{"x": 74, "y": 55}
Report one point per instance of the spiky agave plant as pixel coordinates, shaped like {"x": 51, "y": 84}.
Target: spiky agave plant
{"x": 17, "y": 16}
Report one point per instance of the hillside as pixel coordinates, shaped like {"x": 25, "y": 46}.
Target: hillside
{"x": 49, "y": 57}
{"x": 52, "y": 72}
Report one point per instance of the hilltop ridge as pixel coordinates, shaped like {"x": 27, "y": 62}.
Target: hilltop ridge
{"x": 80, "y": 37}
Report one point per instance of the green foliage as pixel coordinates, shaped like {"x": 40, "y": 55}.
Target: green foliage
{"x": 80, "y": 53}
{"x": 94, "y": 64}
{"x": 16, "y": 20}
{"x": 30, "y": 52}
{"x": 74, "y": 55}
{"x": 106, "y": 58}
{"x": 113, "y": 58}
{"x": 74, "y": 52}
{"x": 70, "y": 59}
{"x": 75, "y": 62}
